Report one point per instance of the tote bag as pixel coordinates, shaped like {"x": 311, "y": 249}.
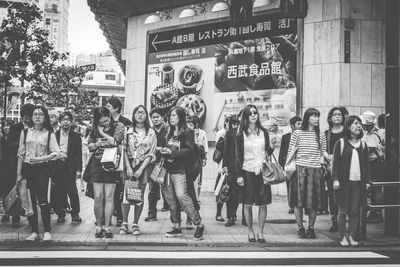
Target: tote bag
{"x": 159, "y": 173}
{"x": 133, "y": 193}
{"x": 272, "y": 172}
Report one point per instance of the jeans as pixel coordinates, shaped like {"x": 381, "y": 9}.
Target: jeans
{"x": 333, "y": 207}
{"x": 37, "y": 177}
{"x": 65, "y": 185}
{"x": 177, "y": 195}
{"x": 352, "y": 209}
{"x": 232, "y": 202}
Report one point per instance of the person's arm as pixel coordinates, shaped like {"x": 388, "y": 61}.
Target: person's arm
{"x": 92, "y": 145}
{"x": 366, "y": 165}
{"x": 268, "y": 147}
{"x": 336, "y": 163}
{"x": 292, "y": 145}
{"x": 282, "y": 155}
{"x": 187, "y": 147}
{"x": 225, "y": 154}
{"x": 79, "y": 155}
{"x": 21, "y": 156}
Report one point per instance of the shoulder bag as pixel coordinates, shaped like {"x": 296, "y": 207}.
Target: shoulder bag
{"x": 272, "y": 172}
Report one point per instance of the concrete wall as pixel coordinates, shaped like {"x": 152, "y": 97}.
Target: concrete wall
{"x": 328, "y": 81}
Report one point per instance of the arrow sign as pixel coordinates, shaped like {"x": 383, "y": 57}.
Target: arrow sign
{"x": 154, "y": 42}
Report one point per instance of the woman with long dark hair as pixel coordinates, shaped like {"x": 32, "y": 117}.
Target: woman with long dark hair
{"x": 305, "y": 188}
{"x": 37, "y": 146}
{"x": 336, "y": 119}
{"x": 253, "y": 146}
{"x": 351, "y": 177}
{"x": 140, "y": 143}
{"x": 106, "y": 133}
{"x": 178, "y": 155}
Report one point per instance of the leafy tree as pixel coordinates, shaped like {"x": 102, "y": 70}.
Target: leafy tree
{"x": 51, "y": 81}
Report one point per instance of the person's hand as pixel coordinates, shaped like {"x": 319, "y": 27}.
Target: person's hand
{"x": 336, "y": 184}
{"x": 98, "y": 144}
{"x": 240, "y": 181}
{"x": 367, "y": 186}
{"x": 19, "y": 177}
{"x": 273, "y": 142}
{"x": 33, "y": 161}
{"x": 225, "y": 169}
{"x": 204, "y": 162}
{"x": 78, "y": 175}
{"x": 100, "y": 129}
{"x": 129, "y": 172}
{"x": 166, "y": 151}
{"x": 138, "y": 173}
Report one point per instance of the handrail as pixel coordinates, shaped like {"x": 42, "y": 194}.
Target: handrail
{"x": 363, "y": 211}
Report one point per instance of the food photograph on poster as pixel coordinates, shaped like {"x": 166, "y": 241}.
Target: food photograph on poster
{"x": 216, "y": 77}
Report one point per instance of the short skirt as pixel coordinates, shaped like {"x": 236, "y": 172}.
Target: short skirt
{"x": 99, "y": 175}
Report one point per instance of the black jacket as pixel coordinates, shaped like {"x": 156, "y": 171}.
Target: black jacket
{"x": 240, "y": 150}
{"x": 229, "y": 154}
{"x": 125, "y": 121}
{"x": 284, "y": 149}
{"x": 74, "y": 151}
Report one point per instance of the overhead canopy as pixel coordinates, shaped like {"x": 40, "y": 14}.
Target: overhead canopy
{"x": 112, "y": 16}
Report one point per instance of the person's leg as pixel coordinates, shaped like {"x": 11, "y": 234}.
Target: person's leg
{"x": 174, "y": 208}
{"x": 153, "y": 197}
{"x": 125, "y": 212}
{"x": 59, "y": 191}
{"x": 139, "y": 208}
{"x": 354, "y": 207}
{"x": 42, "y": 189}
{"x": 262, "y": 216}
{"x": 248, "y": 213}
{"x": 98, "y": 189}
{"x": 342, "y": 220}
{"x": 118, "y": 201}
{"x": 73, "y": 195}
{"x": 33, "y": 220}
{"x": 199, "y": 184}
{"x": 109, "y": 190}
{"x": 333, "y": 207}
{"x": 165, "y": 203}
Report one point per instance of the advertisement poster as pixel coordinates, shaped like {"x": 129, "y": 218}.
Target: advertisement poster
{"x": 214, "y": 70}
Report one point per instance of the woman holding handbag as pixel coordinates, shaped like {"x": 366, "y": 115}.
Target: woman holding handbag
{"x": 37, "y": 146}
{"x": 335, "y": 119}
{"x": 106, "y": 133}
{"x": 351, "y": 177}
{"x": 305, "y": 188}
{"x": 179, "y": 155}
{"x": 253, "y": 146}
{"x": 140, "y": 148}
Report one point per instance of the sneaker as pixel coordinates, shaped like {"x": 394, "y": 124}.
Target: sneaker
{"x": 230, "y": 222}
{"x": 174, "y": 233}
{"x": 291, "y": 210}
{"x": 33, "y": 237}
{"x": 219, "y": 218}
{"x": 301, "y": 232}
{"x": 352, "y": 242}
{"x": 135, "y": 229}
{"x": 344, "y": 242}
{"x": 61, "y": 219}
{"x": 311, "y": 233}
{"x": 189, "y": 225}
{"x": 198, "y": 235}
{"x": 99, "y": 232}
{"x": 47, "y": 236}
{"x": 150, "y": 219}
{"x": 123, "y": 230}
{"x": 108, "y": 233}
{"x": 76, "y": 219}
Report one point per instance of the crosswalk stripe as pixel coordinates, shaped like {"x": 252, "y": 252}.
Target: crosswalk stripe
{"x": 188, "y": 255}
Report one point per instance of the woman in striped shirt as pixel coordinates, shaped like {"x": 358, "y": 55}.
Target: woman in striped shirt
{"x": 308, "y": 146}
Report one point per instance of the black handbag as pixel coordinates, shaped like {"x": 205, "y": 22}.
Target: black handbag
{"x": 218, "y": 154}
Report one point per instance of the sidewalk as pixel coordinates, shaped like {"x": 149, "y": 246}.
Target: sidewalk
{"x": 280, "y": 230}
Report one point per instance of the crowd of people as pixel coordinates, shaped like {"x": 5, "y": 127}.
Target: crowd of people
{"x": 328, "y": 172}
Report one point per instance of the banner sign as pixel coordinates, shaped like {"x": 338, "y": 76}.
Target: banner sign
{"x": 214, "y": 70}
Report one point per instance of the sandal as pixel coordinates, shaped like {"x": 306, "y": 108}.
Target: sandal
{"x": 251, "y": 239}
{"x": 108, "y": 233}
{"x": 260, "y": 240}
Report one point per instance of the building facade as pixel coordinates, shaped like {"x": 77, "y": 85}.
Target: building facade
{"x": 56, "y": 14}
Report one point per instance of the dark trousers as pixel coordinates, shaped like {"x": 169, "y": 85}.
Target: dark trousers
{"x": 351, "y": 208}
{"x": 153, "y": 197}
{"x": 376, "y": 176}
{"x": 118, "y": 200}
{"x": 333, "y": 207}
{"x": 65, "y": 185}
{"x": 37, "y": 177}
{"x": 233, "y": 200}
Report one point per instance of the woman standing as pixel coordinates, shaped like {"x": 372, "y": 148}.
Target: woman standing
{"x": 37, "y": 146}
{"x": 106, "y": 133}
{"x": 351, "y": 176}
{"x": 140, "y": 143}
{"x": 179, "y": 159}
{"x": 253, "y": 146}
{"x": 336, "y": 131}
{"x": 305, "y": 188}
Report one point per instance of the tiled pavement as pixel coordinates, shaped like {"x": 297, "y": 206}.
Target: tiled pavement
{"x": 280, "y": 230}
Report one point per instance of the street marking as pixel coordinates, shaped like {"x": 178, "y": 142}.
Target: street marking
{"x": 188, "y": 255}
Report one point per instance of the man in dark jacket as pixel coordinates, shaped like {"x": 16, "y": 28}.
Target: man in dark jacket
{"x": 69, "y": 167}
{"x": 295, "y": 124}
{"x": 12, "y": 142}
{"x": 114, "y": 105}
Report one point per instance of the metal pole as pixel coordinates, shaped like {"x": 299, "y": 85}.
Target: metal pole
{"x": 391, "y": 170}
{"x": 5, "y": 103}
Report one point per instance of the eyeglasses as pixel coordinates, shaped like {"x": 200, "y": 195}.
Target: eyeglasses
{"x": 253, "y": 113}
{"x": 38, "y": 114}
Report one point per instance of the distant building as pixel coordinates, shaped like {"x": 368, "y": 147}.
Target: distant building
{"x": 56, "y": 22}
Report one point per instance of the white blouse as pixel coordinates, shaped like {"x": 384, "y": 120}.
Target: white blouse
{"x": 254, "y": 152}
{"x": 355, "y": 171}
